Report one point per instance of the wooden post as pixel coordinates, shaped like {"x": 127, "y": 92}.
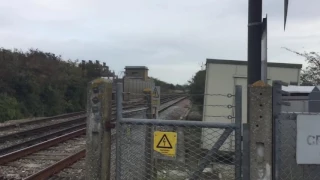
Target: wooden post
{"x": 98, "y": 143}
{"x": 260, "y": 130}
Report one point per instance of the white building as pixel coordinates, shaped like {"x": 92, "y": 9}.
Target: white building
{"x": 223, "y": 75}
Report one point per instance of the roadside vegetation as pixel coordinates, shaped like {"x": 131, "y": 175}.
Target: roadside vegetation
{"x": 168, "y": 87}
{"x": 196, "y": 88}
{"x": 310, "y": 76}
{"x": 37, "y": 83}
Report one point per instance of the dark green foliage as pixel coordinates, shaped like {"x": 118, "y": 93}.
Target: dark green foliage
{"x": 9, "y": 108}
{"x": 166, "y": 87}
{"x": 196, "y": 87}
{"x": 36, "y": 83}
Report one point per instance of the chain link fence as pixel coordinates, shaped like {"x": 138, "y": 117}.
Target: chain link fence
{"x": 135, "y": 113}
{"x": 286, "y": 164}
{"x": 169, "y": 150}
{"x": 157, "y": 149}
{"x": 286, "y": 139}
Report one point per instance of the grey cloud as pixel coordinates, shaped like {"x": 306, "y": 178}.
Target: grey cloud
{"x": 172, "y": 37}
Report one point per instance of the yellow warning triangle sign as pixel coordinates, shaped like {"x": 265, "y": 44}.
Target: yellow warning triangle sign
{"x": 164, "y": 142}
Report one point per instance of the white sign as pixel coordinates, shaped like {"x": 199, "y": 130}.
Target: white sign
{"x": 308, "y": 139}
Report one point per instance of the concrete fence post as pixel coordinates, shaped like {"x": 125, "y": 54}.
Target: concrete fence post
{"x": 149, "y": 161}
{"x": 98, "y": 138}
{"x": 260, "y": 130}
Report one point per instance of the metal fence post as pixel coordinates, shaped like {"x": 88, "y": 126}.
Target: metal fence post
{"x": 119, "y": 95}
{"x": 238, "y": 131}
{"x": 260, "y": 118}
{"x": 246, "y": 153}
{"x": 98, "y": 142}
{"x": 276, "y": 111}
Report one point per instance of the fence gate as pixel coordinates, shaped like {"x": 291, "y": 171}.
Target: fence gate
{"x": 286, "y": 136}
{"x": 178, "y": 149}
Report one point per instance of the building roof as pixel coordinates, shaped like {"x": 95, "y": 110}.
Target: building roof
{"x": 136, "y": 67}
{"x": 239, "y": 62}
{"x": 298, "y": 89}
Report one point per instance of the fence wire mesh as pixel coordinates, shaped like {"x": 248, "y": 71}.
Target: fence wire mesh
{"x": 286, "y": 135}
{"x": 179, "y": 152}
{"x": 287, "y": 167}
{"x": 113, "y": 158}
{"x": 158, "y": 149}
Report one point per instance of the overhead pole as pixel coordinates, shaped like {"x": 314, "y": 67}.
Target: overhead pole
{"x": 254, "y": 40}
{"x": 259, "y": 162}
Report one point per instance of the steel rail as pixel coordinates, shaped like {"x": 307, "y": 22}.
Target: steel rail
{"x": 56, "y": 167}
{"x": 176, "y": 100}
{"x": 45, "y": 119}
{"x": 37, "y": 147}
{"x": 40, "y": 129}
{"x": 42, "y": 138}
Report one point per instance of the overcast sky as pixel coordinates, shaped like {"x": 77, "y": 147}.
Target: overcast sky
{"x": 171, "y": 37}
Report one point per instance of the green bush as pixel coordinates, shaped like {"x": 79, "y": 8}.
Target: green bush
{"x": 196, "y": 87}
{"x": 9, "y": 108}
{"x": 36, "y": 83}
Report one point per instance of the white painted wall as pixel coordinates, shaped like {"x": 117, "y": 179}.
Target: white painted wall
{"x": 222, "y": 78}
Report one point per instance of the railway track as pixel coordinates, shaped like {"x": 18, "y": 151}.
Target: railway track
{"x": 31, "y": 132}
{"x": 17, "y": 140}
{"x": 44, "y": 159}
{"x": 26, "y": 134}
{"x": 39, "y": 138}
{"x": 17, "y": 127}
{"x": 31, "y": 160}
{"x": 14, "y": 126}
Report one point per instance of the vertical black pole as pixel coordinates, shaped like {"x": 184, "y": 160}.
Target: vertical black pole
{"x": 254, "y": 40}
{"x": 254, "y": 45}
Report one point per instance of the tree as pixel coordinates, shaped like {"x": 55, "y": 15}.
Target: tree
{"x": 37, "y": 83}
{"x": 310, "y": 76}
{"x": 164, "y": 85}
{"x": 9, "y": 108}
{"x": 196, "y": 87}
